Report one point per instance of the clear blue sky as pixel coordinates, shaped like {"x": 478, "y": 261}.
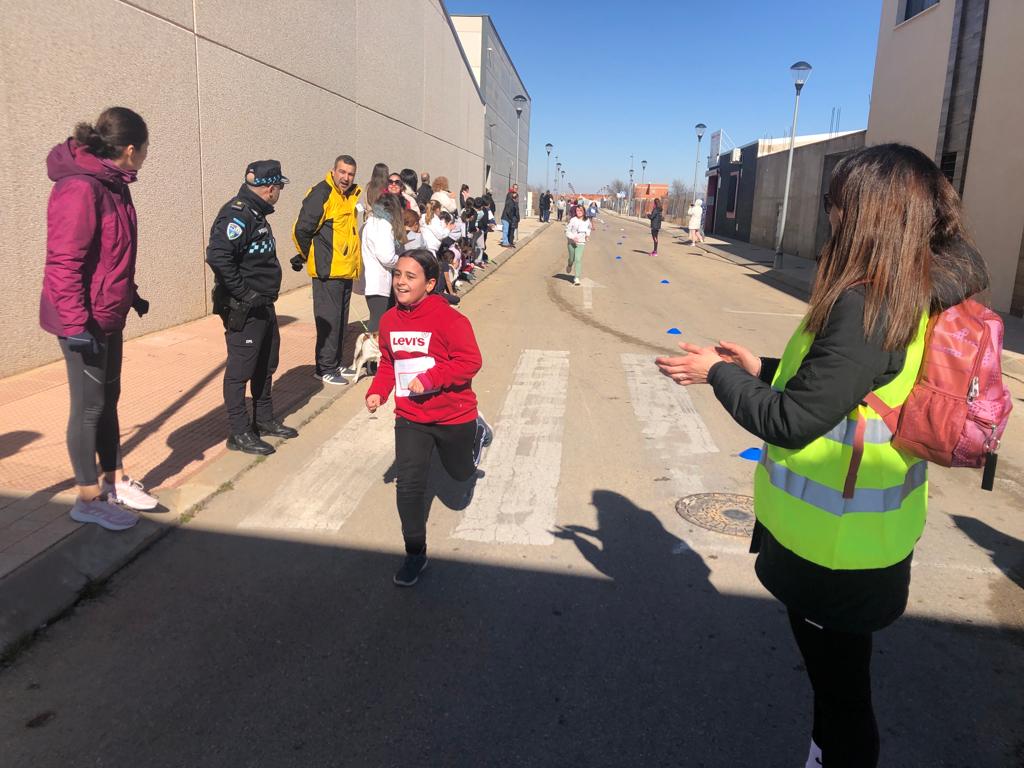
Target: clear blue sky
{"x": 647, "y": 72}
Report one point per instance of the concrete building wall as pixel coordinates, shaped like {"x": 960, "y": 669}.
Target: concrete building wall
{"x": 804, "y": 215}
{"x": 910, "y": 76}
{"x": 219, "y": 84}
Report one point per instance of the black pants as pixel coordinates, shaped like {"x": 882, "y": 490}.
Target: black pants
{"x": 839, "y": 666}
{"x": 654, "y": 236}
{"x": 414, "y": 446}
{"x": 377, "y": 305}
{"x": 545, "y": 214}
{"x": 252, "y": 359}
{"x": 330, "y": 309}
{"x": 560, "y": 212}
{"x": 94, "y": 382}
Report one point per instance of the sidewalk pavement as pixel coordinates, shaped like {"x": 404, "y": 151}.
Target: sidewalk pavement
{"x": 173, "y": 430}
{"x": 796, "y": 276}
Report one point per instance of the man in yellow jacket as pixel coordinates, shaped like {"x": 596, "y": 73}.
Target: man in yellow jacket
{"x": 326, "y": 235}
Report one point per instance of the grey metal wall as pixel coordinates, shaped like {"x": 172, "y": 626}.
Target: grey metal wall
{"x": 220, "y": 83}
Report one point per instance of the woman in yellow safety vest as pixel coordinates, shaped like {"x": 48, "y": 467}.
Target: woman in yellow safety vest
{"x": 834, "y": 545}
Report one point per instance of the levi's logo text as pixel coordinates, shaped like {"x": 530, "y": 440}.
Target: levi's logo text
{"x": 410, "y": 341}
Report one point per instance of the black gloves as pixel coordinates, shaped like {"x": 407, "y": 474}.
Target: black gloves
{"x": 255, "y": 299}
{"x": 84, "y": 343}
{"x": 140, "y": 305}
{"x": 298, "y": 261}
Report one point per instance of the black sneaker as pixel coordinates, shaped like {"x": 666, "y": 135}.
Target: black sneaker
{"x": 484, "y": 436}
{"x": 249, "y": 442}
{"x": 274, "y": 428}
{"x": 411, "y": 569}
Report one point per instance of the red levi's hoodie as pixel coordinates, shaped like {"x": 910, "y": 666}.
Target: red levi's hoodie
{"x": 435, "y": 343}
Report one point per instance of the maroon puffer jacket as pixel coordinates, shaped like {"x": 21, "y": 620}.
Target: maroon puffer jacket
{"x": 91, "y": 241}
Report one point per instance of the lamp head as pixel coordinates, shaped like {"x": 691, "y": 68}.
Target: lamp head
{"x": 643, "y": 164}
{"x": 549, "y": 147}
{"x": 800, "y": 71}
{"x": 520, "y": 102}
{"x": 700, "y": 128}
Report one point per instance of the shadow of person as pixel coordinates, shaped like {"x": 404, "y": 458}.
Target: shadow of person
{"x": 12, "y": 442}
{"x": 633, "y": 543}
{"x": 1007, "y": 552}
{"x": 562, "y": 276}
{"x": 454, "y": 494}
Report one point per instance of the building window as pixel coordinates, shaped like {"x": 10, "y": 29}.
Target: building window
{"x": 914, "y": 7}
{"x": 732, "y": 193}
{"x": 948, "y": 165}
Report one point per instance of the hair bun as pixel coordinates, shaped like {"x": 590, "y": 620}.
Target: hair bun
{"x": 87, "y": 135}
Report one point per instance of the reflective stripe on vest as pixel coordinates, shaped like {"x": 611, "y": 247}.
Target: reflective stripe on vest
{"x": 798, "y": 493}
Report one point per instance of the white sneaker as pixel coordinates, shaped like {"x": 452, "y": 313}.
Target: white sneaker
{"x": 129, "y": 493}
{"x": 104, "y": 514}
{"x": 575, "y": 281}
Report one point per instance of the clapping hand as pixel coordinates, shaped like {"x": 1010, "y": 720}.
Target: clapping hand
{"x": 732, "y": 352}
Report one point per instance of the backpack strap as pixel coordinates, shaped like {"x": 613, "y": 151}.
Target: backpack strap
{"x": 891, "y": 416}
{"x": 858, "y": 453}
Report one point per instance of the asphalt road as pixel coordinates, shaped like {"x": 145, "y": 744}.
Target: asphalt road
{"x": 569, "y": 617}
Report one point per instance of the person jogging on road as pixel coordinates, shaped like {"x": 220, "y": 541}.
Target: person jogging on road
{"x": 577, "y": 232}
{"x": 835, "y": 539}
{"x": 429, "y": 356}
{"x": 88, "y": 290}
{"x": 655, "y": 217}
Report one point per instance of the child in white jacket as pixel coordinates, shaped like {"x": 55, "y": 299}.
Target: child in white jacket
{"x": 577, "y": 232}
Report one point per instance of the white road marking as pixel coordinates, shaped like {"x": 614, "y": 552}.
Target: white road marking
{"x": 588, "y": 286}
{"x": 325, "y": 492}
{"x": 773, "y": 314}
{"x": 516, "y": 501}
{"x": 672, "y": 429}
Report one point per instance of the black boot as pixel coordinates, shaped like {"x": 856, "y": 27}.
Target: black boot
{"x": 274, "y": 428}
{"x": 249, "y": 442}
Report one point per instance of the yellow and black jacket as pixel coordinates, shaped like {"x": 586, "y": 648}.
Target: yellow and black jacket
{"x": 327, "y": 231}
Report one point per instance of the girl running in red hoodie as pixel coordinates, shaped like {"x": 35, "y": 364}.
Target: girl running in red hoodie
{"x": 429, "y": 356}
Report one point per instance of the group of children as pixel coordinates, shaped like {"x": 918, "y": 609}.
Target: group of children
{"x": 457, "y": 242}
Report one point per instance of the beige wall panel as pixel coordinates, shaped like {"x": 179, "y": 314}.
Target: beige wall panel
{"x": 391, "y": 53}
{"x": 441, "y": 159}
{"x": 910, "y": 76}
{"x": 316, "y": 40}
{"x": 383, "y": 140}
{"x": 252, "y": 112}
{"x": 178, "y": 11}
{"x": 44, "y": 98}
{"x": 996, "y": 162}
{"x": 471, "y": 171}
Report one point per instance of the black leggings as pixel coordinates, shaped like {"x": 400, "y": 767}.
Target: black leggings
{"x": 414, "y": 445}
{"x": 95, "y": 385}
{"x": 654, "y": 235}
{"x": 839, "y": 666}
{"x": 377, "y": 305}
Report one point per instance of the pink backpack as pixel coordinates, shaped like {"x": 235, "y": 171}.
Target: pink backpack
{"x": 958, "y": 409}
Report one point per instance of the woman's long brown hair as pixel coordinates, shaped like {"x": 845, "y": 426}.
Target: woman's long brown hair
{"x": 897, "y": 210}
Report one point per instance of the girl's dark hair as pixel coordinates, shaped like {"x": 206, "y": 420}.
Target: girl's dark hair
{"x": 377, "y": 184}
{"x": 410, "y": 178}
{"x": 657, "y": 202}
{"x": 479, "y": 202}
{"x": 898, "y": 211}
{"x": 445, "y": 217}
{"x": 464, "y": 188}
{"x": 116, "y": 129}
{"x": 425, "y": 259}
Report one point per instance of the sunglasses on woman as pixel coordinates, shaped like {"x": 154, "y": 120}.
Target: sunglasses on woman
{"x": 395, "y": 182}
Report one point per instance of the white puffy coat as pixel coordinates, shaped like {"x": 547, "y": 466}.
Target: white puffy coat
{"x": 379, "y": 257}
{"x": 695, "y": 213}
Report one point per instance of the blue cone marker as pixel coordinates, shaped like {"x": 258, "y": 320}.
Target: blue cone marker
{"x": 664, "y": 282}
{"x": 674, "y": 332}
{"x": 751, "y": 454}
{"x": 618, "y": 258}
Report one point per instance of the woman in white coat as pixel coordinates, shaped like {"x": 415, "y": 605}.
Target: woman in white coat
{"x": 577, "y": 232}
{"x": 383, "y": 239}
{"x": 695, "y": 214}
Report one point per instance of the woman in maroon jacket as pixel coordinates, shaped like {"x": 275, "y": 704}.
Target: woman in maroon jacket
{"x": 88, "y": 289}
{"x": 429, "y": 356}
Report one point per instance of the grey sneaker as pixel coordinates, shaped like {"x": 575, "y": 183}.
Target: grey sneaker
{"x": 484, "y": 436}
{"x": 333, "y": 377}
{"x": 104, "y": 514}
{"x": 411, "y": 569}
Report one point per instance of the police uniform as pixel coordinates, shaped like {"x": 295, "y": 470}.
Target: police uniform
{"x": 242, "y": 253}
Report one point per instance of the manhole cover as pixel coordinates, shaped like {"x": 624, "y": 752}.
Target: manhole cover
{"x": 720, "y": 512}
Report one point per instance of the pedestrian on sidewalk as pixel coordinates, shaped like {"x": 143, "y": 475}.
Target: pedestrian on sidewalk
{"x": 695, "y": 217}
{"x": 510, "y": 218}
{"x": 242, "y": 253}
{"x": 655, "y": 217}
{"x": 545, "y": 206}
{"x": 424, "y": 192}
{"x": 561, "y": 207}
{"x": 429, "y": 356}
{"x": 835, "y": 539}
{"x": 577, "y": 232}
{"x": 88, "y": 289}
{"x": 326, "y": 236}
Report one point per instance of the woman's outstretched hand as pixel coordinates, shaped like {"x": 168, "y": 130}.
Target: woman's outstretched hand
{"x": 732, "y": 352}
{"x": 691, "y": 368}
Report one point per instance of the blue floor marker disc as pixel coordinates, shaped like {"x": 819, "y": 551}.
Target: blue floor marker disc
{"x": 674, "y": 332}
{"x": 751, "y": 454}
{"x": 618, "y": 258}
{"x": 664, "y": 282}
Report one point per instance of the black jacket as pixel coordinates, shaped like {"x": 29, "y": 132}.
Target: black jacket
{"x": 423, "y": 194}
{"x": 655, "y": 217}
{"x": 545, "y": 201}
{"x": 510, "y": 212}
{"x": 242, "y": 251}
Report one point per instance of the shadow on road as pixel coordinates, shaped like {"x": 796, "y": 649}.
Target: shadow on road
{"x": 219, "y": 649}
{"x": 1007, "y": 552}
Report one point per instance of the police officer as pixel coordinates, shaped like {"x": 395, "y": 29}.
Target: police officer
{"x": 247, "y": 278}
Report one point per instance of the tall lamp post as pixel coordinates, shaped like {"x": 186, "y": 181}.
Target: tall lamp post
{"x": 547, "y": 170}
{"x": 643, "y": 172}
{"x": 800, "y": 71}
{"x": 519, "y": 101}
{"x": 699, "y": 128}
{"x": 558, "y": 169}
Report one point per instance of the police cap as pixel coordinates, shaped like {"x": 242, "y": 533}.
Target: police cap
{"x": 266, "y": 173}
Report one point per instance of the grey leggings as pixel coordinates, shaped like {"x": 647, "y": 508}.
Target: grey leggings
{"x": 93, "y": 428}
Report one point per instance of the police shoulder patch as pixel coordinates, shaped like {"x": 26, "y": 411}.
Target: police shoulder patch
{"x": 234, "y": 231}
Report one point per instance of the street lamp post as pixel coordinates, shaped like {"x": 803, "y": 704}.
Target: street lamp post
{"x": 643, "y": 172}
{"x": 699, "y": 128}
{"x": 519, "y": 101}
{"x": 801, "y": 71}
{"x": 558, "y": 169}
{"x": 547, "y": 170}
